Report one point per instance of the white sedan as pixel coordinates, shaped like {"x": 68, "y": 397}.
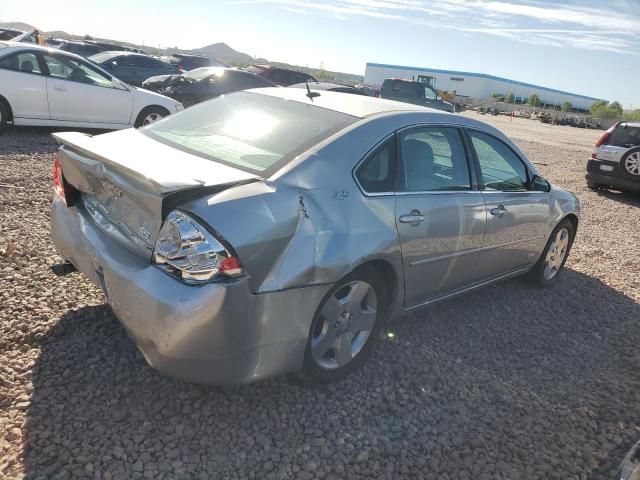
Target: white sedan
{"x": 41, "y": 86}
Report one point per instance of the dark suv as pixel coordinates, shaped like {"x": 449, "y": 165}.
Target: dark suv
{"x": 133, "y": 68}
{"x": 615, "y": 161}
{"x": 411, "y": 91}
{"x": 280, "y": 76}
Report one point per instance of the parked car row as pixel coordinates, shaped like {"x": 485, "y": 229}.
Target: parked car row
{"x": 50, "y": 87}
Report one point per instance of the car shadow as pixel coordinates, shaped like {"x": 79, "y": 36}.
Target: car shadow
{"x": 564, "y": 359}
{"x": 627, "y": 198}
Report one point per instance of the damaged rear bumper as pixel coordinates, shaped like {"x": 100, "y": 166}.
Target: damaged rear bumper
{"x": 610, "y": 174}
{"x": 218, "y": 333}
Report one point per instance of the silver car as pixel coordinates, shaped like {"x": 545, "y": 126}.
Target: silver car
{"x": 276, "y": 230}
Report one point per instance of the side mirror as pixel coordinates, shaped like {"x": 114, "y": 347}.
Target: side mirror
{"x": 539, "y": 184}
{"x": 115, "y": 83}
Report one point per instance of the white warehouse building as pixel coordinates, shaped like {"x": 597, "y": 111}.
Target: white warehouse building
{"x": 476, "y": 86}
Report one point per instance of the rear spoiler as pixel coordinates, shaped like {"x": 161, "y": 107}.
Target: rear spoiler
{"x": 81, "y": 143}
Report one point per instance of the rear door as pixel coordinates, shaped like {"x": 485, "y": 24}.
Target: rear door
{"x": 440, "y": 213}
{"x": 78, "y": 92}
{"x": 24, "y": 85}
{"x": 517, "y": 217}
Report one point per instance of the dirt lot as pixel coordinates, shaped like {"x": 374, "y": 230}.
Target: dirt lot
{"x": 505, "y": 383}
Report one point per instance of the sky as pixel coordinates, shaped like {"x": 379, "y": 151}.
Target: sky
{"x": 589, "y": 47}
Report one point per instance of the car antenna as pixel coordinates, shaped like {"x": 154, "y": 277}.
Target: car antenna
{"x": 311, "y": 94}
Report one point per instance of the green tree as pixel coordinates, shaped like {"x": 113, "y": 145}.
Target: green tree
{"x": 567, "y": 107}
{"x": 616, "y": 107}
{"x": 511, "y": 98}
{"x": 632, "y": 116}
{"x": 534, "y": 100}
{"x": 604, "y": 109}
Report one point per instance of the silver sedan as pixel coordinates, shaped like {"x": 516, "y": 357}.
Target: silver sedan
{"x": 276, "y": 230}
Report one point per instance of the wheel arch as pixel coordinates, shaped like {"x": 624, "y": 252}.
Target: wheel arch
{"x": 573, "y": 218}
{"x": 390, "y": 280}
{"x": 7, "y": 105}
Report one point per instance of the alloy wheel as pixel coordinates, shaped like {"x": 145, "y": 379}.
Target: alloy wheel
{"x": 344, "y": 324}
{"x": 632, "y": 163}
{"x": 152, "y": 117}
{"x": 556, "y": 254}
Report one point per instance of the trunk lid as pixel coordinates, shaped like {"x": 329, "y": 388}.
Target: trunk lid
{"x": 126, "y": 179}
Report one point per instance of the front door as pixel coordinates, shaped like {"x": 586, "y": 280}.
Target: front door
{"x": 517, "y": 217}
{"x": 78, "y": 92}
{"x": 440, "y": 216}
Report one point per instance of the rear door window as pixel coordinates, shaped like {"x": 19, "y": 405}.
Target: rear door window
{"x": 25, "y": 62}
{"x": 625, "y": 136}
{"x": 434, "y": 159}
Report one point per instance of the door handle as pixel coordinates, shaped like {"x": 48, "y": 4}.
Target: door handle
{"x": 499, "y": 211}
{"x": 414, "y": 218}
{"x": 60, "y": 89}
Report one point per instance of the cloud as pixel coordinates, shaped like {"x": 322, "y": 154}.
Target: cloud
{"x": 583, "y": 24}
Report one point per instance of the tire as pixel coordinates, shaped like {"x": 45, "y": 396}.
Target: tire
{"x": 153, "y": 111}
{"x": 630, "y": 163}
{"x": 4, "y": 115}
{"x": 549, "y": 267}
{"x": 358, "y": 300}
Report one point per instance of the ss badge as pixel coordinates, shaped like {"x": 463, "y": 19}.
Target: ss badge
{"x": 144, "y": 233}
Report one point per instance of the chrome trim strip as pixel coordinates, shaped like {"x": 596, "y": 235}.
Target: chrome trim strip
{"x": 468, "y": 289}
{"x": 440, "y": 192}
{"x": 513, "y": 191}
{"x": 474, "y": 250}
{"x": 444, "y": 257}
{"x": 515, "y": 242}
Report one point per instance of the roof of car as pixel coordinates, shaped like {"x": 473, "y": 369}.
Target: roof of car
{"x": 12, "y": 46}
{"x": 276, "y": 67}
{"x": 354, "y": 105}
{"x": 321, "y": 85}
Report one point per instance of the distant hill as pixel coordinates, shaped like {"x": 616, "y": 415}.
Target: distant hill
{"x": 219, "y": 51}
{"x": 17, "y": 26}
{"x": 224, "y": 53}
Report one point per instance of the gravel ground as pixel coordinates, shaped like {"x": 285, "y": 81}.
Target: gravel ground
{"x": 505, "y": 383}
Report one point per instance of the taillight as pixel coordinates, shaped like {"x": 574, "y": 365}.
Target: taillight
{"x": 603, "y": 139}
{"x": 189, "y": 252}
{"x": 58, "y": 180}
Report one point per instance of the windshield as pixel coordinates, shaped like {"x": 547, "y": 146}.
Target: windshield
{"x": 104, "y": 56}
{"x": 203, "y": 72}
{"x": 250, "y": 131}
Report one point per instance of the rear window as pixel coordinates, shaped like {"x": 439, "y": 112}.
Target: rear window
{"x": 625, "y": 136}
{"x": 104, "y": 56}
{"x": 250, "y": 131}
